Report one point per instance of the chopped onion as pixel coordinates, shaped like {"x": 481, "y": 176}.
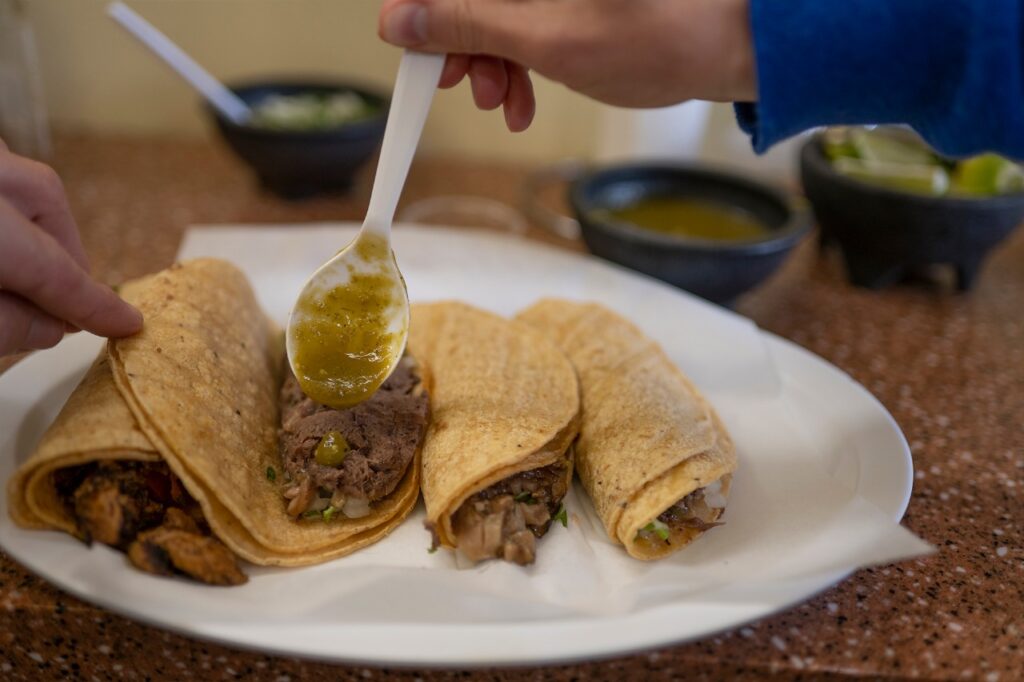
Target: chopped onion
{"x": 713, "y": 495}
{"x": 355, "y": 508}
{"x": 319, "y": 504}
{"x": 338, "y": 499}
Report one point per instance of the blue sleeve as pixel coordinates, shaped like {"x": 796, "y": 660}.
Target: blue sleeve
{"x": 951, "y": 69}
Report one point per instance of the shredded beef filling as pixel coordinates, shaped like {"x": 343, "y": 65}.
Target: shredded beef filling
{"x": 142, "y": 509}
{"x": 379, "y": 438}
{"x": 691, "y": 512}
{"x": 504, "y": 520}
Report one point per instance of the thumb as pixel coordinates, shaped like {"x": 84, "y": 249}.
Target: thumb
{"x": 493, "y": 27}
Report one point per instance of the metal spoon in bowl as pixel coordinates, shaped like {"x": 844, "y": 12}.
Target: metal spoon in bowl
{"x": 348, "y": 328}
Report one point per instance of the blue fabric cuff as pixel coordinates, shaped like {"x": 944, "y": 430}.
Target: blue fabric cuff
{"x": 950, "y": 69}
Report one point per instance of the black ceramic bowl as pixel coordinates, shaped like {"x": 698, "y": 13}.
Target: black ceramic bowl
{"x": 717, "y": 271}
{"x": 302, "y": 163}
{"x": 885, "y": 234}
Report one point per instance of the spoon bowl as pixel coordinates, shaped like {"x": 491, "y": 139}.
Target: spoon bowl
{"x": 348, "y": 329}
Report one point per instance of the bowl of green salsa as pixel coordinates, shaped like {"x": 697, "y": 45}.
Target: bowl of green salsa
{"x": 306, "y": 137}
{"x": 714, "y": 233}
{"x": 687, "y": 217}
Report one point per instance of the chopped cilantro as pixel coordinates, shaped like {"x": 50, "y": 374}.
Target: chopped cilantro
{"x": 658, "y": 528}
{"x": 329, "y": 513}
{"x": 310, "y": 514}
{"x": 526, "y": 497}
{"x": 562, "y": 516}
{"x": 271, "y": 474}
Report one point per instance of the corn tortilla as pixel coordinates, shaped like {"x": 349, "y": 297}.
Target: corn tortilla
{"x": 648, "y": 437}
{"x": 504, "y": 399}
{"x": 197, "y": 388}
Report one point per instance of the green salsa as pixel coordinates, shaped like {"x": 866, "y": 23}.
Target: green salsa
{"x": 342, "y": 349}
{"x": 685, "y": 217}
{"x": 331, "y": 450}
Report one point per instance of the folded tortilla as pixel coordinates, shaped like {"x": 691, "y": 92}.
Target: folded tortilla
{"x": 648, "y": 438}
{"x": 197, "y": 388}
{"x": 504, "y": 400}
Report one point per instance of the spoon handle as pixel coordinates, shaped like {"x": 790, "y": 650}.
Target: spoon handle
{"x": 418, "y": 75}
{"x": 226, "y": 102}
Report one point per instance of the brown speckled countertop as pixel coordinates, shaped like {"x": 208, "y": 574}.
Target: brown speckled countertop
{"x": 950, "y": 369}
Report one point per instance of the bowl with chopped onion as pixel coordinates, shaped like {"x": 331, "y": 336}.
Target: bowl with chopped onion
{"x": 306, "y": 137}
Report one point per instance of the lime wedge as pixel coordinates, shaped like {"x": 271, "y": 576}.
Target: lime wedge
{"x": 920, "y": 179}
{"x": 887, "y": 148}
{"x": 987, "y": 175}
{"x": 837, "y": 143}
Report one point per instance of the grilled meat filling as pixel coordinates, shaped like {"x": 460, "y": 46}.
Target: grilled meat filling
{"x": 142, "y": 509}
{"x": 178, "y": 546}
{"x": 504, "y": 520}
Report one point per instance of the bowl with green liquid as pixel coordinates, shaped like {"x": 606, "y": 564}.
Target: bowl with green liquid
{"x": 714, "y": 233}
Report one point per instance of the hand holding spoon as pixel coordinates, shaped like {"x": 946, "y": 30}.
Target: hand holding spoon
{"x": 348, "y": 328}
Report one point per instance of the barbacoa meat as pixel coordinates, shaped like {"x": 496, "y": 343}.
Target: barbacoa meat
{"x": 382, "y": 434}
{"x": 691, "y": 511}
{"x": 142, "y": 509}
{"x": 504, "y": 520}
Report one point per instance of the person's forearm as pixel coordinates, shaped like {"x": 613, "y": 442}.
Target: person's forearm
{"x": 950, "y": 69}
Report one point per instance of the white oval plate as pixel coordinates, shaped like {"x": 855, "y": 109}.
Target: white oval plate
{"x": 851, "y": 434}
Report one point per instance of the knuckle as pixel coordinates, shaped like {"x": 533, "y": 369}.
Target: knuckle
{"x": 8, "y": 344}
{"x": 49, "y": 182}
{"x": 13, "y": 325}
{"x": 54, "y": 279}
{"x": 43, "y": 332}
{"x": 540, "y": 54}
{"x": 10, "y": 341}
{"x": 48, "y": 279}
{"x": 52, "y": 334}
{"x": 94, "y": 308}
{"x": 544, "y": 50}
{"x": 7, "y": 210}
{"x": 464, "y": 26}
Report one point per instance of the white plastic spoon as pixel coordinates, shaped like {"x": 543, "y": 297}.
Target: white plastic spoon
{"x": 348, "y": 328}
{"x": 226, "y": 102}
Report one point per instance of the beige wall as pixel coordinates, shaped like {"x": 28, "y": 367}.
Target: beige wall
{"x": 98, "y": 78}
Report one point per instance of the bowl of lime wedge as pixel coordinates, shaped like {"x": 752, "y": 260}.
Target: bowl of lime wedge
{"x": 894, "y": 206}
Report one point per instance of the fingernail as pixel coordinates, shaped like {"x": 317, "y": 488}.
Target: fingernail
{"x": 406, "y": 25}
